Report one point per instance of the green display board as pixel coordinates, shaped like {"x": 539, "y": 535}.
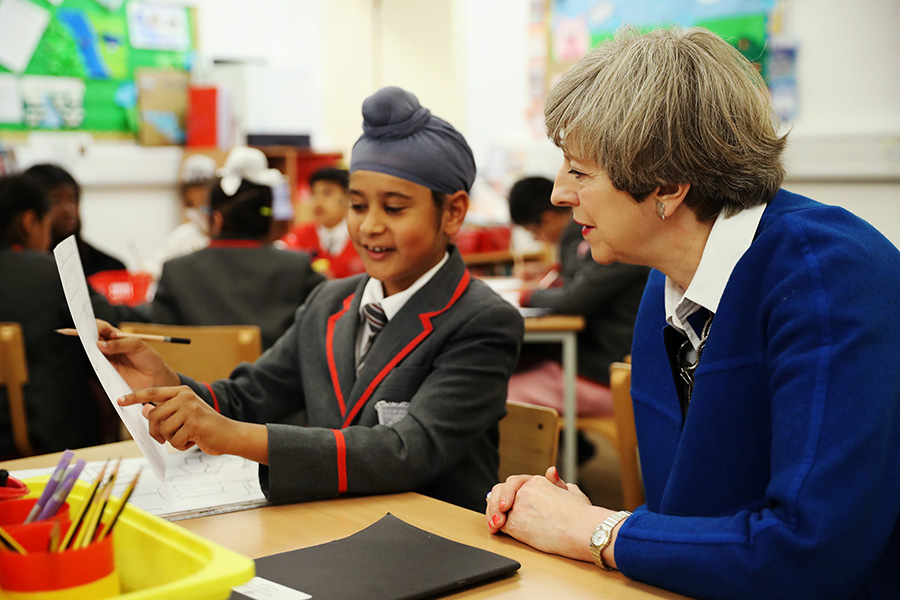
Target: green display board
{"x": 578, "y": 25}
{"x": 81, "y": 73}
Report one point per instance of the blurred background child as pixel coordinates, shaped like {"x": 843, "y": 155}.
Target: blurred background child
{"x": 325, "y": 238}
{"x": 63, "y": 408}
{"x": 240, "y": 278}
{"x": 198, "y": 176}
{"x": 607, "y": 296}
{"x": 64, "y": 194}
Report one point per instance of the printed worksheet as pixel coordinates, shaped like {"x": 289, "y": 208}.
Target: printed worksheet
{"x": 71, "y": 272}
{"x": 197, "y": 484}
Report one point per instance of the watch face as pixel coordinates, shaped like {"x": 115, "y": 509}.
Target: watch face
{"x": 600, "y": 537}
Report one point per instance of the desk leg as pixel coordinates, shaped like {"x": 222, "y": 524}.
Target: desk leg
{"x": 570, "y": 407}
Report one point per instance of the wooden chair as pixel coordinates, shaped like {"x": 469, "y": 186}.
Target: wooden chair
{"x": 632, "y": 484}
{"x": 14, "y": 376}
{"x": 529, "y": 438}
{"x": 214, "y": 349}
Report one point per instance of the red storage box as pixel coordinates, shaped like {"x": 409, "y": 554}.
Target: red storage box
{"x": 122, "y": 287}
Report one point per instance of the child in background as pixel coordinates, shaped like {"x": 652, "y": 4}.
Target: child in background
{"x": 64, "y": 194}
{"x": 326, "y": 238}
{"x": 60, "y": 403}
{"x": 198, "y": 176}
{"x": 240, "y": 278}
{"x": 607, "y": 296}
{"x": 402, "y": 371}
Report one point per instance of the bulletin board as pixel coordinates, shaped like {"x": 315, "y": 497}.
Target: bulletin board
{"x": 72, "y": 64}
{"x": 576, "y": 26}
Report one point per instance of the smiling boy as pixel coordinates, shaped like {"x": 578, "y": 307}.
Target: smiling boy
{"x": 403, "y": 371}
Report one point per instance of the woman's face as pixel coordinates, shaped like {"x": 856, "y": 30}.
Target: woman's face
{"x": 617, "y": 227}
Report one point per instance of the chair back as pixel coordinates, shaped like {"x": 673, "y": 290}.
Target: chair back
{"x": 529, "y": 439}
{"x": 14, "y": 376}
{"x": 214, "y": 351}
{"x": 632, "y": 483}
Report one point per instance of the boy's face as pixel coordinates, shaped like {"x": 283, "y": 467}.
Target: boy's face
{"x": 550, "y": 227}
{"x": 329, "y": 203}
{"x": 396, "y": 229}
{"x": 63, "y": 211}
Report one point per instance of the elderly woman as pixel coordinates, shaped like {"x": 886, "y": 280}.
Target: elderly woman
{"x": 766, "y": 380}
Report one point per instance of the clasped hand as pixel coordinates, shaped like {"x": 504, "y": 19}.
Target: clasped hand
{"x": 545, "y": 512}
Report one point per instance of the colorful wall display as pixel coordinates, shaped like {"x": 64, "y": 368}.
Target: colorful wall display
{"x": 71, "y": 64}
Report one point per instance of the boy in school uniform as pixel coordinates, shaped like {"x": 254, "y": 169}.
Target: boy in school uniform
{"x": 326, "y": 238}
{"x": 403, "y": 371}
{"x": 65, "y": 197}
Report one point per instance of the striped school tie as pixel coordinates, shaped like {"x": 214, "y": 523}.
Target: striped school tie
{"x": 376, "y": 319}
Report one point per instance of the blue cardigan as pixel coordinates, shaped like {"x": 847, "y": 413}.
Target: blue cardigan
{"x": 784, "y": 479}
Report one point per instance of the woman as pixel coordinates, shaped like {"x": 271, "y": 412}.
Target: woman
{"x": 765, "y": 383}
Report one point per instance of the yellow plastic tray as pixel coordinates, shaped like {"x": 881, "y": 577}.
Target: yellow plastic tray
{"x": 158, "y": 559}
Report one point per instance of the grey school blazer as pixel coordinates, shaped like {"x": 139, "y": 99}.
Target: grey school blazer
{"x": 445, "y": 358}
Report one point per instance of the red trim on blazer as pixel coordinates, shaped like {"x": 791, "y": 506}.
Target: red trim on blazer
{"x": 215, "y": 400}
{"x": 427, "y": 328}
{"x": 329, "y": 352}
{"x": 341, "y": 447}
{"x": 235, "y": 244}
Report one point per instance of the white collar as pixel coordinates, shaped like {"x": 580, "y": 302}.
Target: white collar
{"x": 728, "y": 240}
{"x": 374, "y": 292}
{"x": 333, "y": 239}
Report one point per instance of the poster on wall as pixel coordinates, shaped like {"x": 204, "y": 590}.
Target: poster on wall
{"x": 71, "y": 64}
{"x": 578, "y": 25}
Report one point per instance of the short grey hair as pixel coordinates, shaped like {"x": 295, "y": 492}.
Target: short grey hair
{"x": 671, "y": 106}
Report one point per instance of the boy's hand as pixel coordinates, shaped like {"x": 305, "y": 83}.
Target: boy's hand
{"x": 138, "y": 364}
{"x": 177, "y": 415}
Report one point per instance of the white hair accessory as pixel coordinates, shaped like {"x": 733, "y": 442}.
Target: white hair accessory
{"x": 242, "y": 163}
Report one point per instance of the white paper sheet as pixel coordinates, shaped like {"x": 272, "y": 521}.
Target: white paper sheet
{"x": 197, "y": 485}
{"x": 22, "y": 25}
{"x": 10, "y": 99}
{"x": 72, "y": 274}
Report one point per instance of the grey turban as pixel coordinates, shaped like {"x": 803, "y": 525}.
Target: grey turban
{"x": 402, "y": 138}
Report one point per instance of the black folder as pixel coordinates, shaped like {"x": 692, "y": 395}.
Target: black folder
{"x": 388, "y": 560}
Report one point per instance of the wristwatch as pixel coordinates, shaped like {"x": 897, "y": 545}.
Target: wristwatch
{"x": 603, "y": 534}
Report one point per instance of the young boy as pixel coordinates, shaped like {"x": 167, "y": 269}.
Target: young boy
{"x": 402, "y": 371}
{"x": 607, "y": 296}
{"x": 198, "y": 176}
{"x": 326, "y": 238}
{"x": 65, "y": 197}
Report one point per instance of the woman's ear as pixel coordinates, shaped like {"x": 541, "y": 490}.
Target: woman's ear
{"x": 456, "y": 205}
{"x": 669, "y": 196}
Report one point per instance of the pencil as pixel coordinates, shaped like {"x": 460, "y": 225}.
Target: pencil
{"x": 78, "y": 519}
{"x": 50, "y": 487}
{"x": 144, "y": 336}
{"x": 108, "y": 527}
{"x": 10, "y": 542}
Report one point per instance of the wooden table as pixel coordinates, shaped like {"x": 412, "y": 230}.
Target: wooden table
{"x": 272, "y": 529}
{"x": 564, "y": 330}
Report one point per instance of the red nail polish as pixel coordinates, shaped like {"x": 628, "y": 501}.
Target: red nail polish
{"x": 495, "y": 520}
{"x": 502, "y": 503}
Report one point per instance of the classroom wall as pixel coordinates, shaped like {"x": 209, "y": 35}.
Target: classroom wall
{"x": 467, "y": 61}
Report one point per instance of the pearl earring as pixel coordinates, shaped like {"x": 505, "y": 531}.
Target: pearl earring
{"x": 661, "y": 209}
